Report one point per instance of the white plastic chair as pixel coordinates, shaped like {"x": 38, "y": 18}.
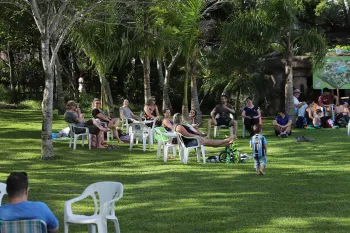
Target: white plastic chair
{"x": 184, "y": 151}
{"x": 109, "y": 192}
{"x": 218, "y": 127}
{"x": 165, "y": 142}
{"x": 2, "y": 191}
{"x": 75, "y": 136}
{"x": 125, "y": 121}
{"x": 139, "y": 131}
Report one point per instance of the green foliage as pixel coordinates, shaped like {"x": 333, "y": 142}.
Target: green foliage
{"x": 30, "y": 104}
{"x": 5, "y": 94}
{"x": 85, "y": 102}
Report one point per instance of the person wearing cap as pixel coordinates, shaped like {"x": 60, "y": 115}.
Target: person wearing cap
{"x": 19, "y": 208}
{"x": 251, "y": 115}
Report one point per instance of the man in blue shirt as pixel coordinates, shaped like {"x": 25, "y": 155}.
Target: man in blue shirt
{"x": 19, "y": 208}
{"x": 282, "y": 124}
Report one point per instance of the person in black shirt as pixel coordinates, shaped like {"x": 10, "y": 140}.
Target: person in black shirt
{"x": 112, "y": 123}
{"x": 251, "y": 115}
{"x": 224, "y": 110}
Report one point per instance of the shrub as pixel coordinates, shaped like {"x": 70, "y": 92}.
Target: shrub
{"x": 5, "y": 94}
{"x": 30, "y": 104}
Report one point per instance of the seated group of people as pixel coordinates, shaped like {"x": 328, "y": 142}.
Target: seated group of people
{"x": 319, "y": 114}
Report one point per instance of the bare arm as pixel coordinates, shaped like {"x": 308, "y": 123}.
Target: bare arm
{"x": 243, "y": 114}
{"x": 102, "y": 117}
{"x": 275, "y": 123}
{"x": 53, "y": 230}
{"x": 259, "y": 114}
{"x": 184, "y": 132}
{"x": 157, "y": 112}
{"x": 148, "y": 112}
{"x": 167, "y": 124}
{"x": 212, "y": 114}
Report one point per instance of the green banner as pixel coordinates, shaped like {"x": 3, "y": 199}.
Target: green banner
{"x": 335, "y": 74}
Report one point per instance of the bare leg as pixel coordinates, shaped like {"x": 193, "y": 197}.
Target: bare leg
{"x": 257, "y": 171}
{"x": 278, "y": 129}
{"x": 98, "y": 140}
{"x": 217, "y": 143}
{"x": 262, "y": 169}
{"x": 235, "y": 128}
{"x": 287, "y": 129}
{"x": 210, "y": 122}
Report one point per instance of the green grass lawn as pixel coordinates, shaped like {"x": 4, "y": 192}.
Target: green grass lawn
{"x": 305, "y": 188}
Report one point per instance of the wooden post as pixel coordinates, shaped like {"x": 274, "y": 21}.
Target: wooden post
{"x": 337, "y": 103}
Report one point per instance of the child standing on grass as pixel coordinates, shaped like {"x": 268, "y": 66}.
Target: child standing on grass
{"x": 258, "y": 144}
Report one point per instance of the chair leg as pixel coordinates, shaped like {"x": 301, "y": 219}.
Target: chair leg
{"x": 231, "y": 130}
{"x": 102, "y": 227}
{"x": 215, "y": 129}
{"x": 116, "y": 225}
{"x": 82, "y": 140}
{"x": 108, "y": 132}
{"x": 91, "y": 228}
{"x": 203, "y": 154}
{"x": 185, "y": 159}
{"x": 66, "y": 226}
{"x": 165, "y": 153}
{"x": 70, "y": 141}
{"x": 89, "y": 140}
{"x": 75, "y": 142}
{"x": 131, "y": 141}
{"x": 181, "y": 151}
{"x": 144, "y": 142}
{"x": 198, "y": 152}
{"x": 243, "y": 128}
{"x": 159, "y": 149}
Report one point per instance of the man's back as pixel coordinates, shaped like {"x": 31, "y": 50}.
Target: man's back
{"x": 28, "y": 210}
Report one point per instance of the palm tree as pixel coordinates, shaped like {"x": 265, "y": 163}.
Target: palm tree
{"x": 275, "y": 23}
{"x": 101, "y": 44}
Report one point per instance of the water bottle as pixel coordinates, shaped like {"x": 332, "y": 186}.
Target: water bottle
{"x": 228, "y": 158}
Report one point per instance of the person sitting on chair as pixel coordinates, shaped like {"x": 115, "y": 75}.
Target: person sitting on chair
{"x": 282, "y": 124}
{"x": 251, "y": 115}
{"x": 99, "y": 114}
{"x": 151, "y": 111}
{"x": 19, "y": 208}
{"x": 342, "y": 114}
{"x": 125, "y": 112}
{"x": 187, "y": 132}
{"x": 74, "y": 116}
{"x": 193, "y": 123}
{"x": 167, "y": 123}
{"x": 224, "y": 110}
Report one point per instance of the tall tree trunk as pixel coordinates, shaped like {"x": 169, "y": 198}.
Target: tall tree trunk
{"x": 185, "y": 97}
{"x": 59, "y": 89}
{"x": 106, "y": 92}
{"x": 47, "y": 104}
{"x": 146, "y": 77}
{"x": 289, "y": 103}
{"x": 168, "y": 68}
{"x": 74, "y": 74}
{"x": 160, "y": 73}
{"x": 238, "y": 95}
{"x": 12, "y": 78}
{"x": 194, "y": 92}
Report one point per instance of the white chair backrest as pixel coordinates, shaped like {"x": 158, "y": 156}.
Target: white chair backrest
{"x": 139, "y": 129}
{"x": 2, "y": 191}
{"x": 217, "y": 116}
{"x": 106, "y": 192}
{"x": 179, "y": 139}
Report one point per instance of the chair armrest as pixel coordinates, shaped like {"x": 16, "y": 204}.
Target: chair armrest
{"x": 110, "y": 202}
{"x": 198, "y": 141}
{"x": 78, "y": 127}
{"x": 68, "y": 204}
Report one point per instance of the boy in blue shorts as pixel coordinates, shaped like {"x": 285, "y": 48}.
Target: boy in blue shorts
{"x": 258, "y": 144}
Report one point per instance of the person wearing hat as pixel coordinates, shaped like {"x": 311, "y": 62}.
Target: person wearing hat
{"x": 20, "y": 208}
{"x": 300, "y": 108}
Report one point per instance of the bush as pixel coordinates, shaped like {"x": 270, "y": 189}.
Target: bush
{"x": 5, "y": 94}
{"x": 30, "y": 104}
{"x": 85, "y": 102}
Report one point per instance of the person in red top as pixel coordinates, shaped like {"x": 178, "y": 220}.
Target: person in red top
{"x": 327, "y": 98}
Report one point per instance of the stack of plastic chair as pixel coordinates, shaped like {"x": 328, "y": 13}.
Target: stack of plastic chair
{"x": 164, "y": 142}
{"x": 139, "y": 131}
